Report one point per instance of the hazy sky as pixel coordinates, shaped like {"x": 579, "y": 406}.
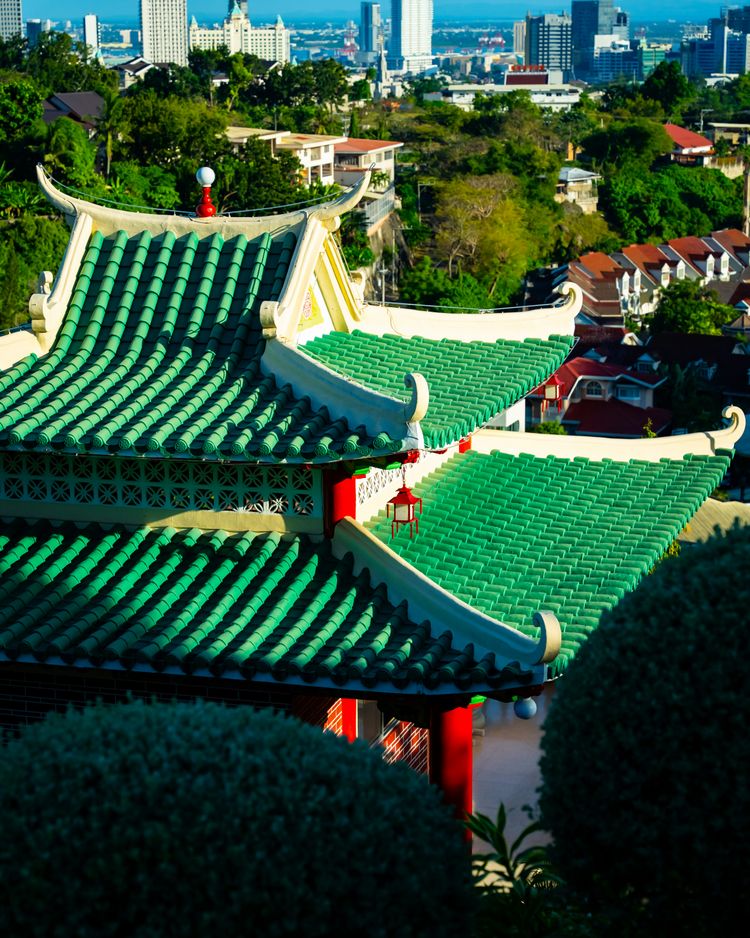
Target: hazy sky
{"x": 291, "y": 10}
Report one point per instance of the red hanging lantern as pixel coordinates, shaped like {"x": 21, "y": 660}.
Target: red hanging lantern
{"x": 404, "y": 509}
{"x": 553, "y": 392}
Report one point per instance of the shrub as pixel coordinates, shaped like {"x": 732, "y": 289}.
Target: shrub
{"x": 646, "y": 752}
{"x": 196, "y": 820}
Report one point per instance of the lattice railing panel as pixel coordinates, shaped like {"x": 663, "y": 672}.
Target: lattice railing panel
{"x": 166, "y": 484}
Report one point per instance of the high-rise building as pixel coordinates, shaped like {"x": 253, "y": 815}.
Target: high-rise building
{"x": 548, "y": 42}
{"x": 589, "y": 18}
{"x": 370, "y": 30}
{"x": 164, "y": 28}
{"x": 92, "y": 32}
{"x": 519, "y": 38}
{"x": 272, "y": 43}
{"x": 410, "y": 47}
{"x": 35, "y": 28}
{"x": 11, "y": 19}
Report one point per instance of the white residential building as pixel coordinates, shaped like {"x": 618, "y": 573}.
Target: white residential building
{"x": 410, "y": 48}
{"x": 91, "y": 32}
{"x": 164, "y": 29}
{"x": 271, "y": 43}
{"x": 11, "y": 19}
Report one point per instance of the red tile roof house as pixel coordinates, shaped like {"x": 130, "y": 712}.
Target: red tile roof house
{"x": 689, "y": 148}
{"x": 626, "y": 283}
{"x": 204, "y": 435}
{"x": 596, "y": 398}
{"x": 608, "y": 289}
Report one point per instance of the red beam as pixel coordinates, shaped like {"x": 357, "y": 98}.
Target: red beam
{"x": 450, "y": 758}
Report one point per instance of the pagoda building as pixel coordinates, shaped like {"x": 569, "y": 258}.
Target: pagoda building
{"x": 213, "y": 459}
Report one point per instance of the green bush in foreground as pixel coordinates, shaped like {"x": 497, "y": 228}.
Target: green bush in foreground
{"x": 196, "y": 820}
{"x": 646, "y": 752}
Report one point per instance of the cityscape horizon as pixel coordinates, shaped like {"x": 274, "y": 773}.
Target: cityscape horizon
{"x": 294, "y": 10}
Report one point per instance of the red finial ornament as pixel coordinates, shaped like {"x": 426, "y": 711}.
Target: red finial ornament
{"x": 206, "y": 177}
{"x": 404, "y": 505}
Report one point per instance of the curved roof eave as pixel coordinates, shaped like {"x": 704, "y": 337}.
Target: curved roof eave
{"x": 108, "y": 220}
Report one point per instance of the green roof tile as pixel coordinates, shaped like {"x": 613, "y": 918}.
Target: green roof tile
{"x": 469, "y": 382}
{"x": 261, "y": 605}
{"x": 160, "y": 353}
{"x": 488, "y": 518}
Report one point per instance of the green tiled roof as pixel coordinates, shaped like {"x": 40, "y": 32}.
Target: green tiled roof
{"x": 514, "y": 534}
{"x": 469, "y": 382}
{"x": 262, "y": 606}
{"x": 160, "y": 353}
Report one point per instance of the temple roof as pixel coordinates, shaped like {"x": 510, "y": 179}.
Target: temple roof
{"x": 469, "y": 382}
{"x": 160, "y": 352}
{"x": 264, "y": 607}
{"x": 514, "y": 534}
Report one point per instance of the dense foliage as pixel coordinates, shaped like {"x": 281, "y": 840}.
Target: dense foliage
{"x": 194, "y": 820}
{"x": 690, "y": 306}
{"x": 28, "y": 246}
{"x": 646, "y": 754}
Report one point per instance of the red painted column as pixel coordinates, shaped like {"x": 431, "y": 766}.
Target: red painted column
{"x": 349, "y": 718}
{"x": 464, "y": 444}
{"x": 340, "y": 497}
{"x": 450, "y": 759}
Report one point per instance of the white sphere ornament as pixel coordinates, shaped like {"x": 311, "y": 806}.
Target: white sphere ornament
{"x": 525, "y": 708}
{"x": 205, "y": 176}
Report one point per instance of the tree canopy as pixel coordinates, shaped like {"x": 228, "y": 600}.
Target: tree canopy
{"x": 187, "y": 820}
{"x": 646, "y": 754}
{"x": 690, "y": 306}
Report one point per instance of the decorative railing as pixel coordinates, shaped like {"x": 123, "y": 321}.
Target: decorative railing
{"x": 180, "y": 485}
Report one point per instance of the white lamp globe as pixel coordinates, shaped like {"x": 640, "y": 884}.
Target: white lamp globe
{"x": 205, "y": 176}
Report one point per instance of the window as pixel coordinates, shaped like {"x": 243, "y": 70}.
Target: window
{"x": 628, "y": 392}
{"x": 594, "y": 389}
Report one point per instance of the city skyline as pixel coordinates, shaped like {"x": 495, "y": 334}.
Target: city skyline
{"x": 291, "y": 10}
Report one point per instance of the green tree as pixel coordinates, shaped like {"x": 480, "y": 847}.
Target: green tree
{"x": 360, "y": 91}
{"x": 636, "y": 141}
{"x": 57, "y": 63}
{"x": 669, "y": 87}
{"x": 256, "y": 179}
{"x": 176, "y": 134}
{"x": 245, "y": 822}
{"x": 111, "y": 126}
{"x": 646, "y": 754}
{"x": 424, "y": 284}
{"x": 690, "y": 306}
{"x": 549, "y": 426}
{"x": 20, "y": 109}
{"x": 12, "y": 53}
{"x": 28, "y": 245}
{"x": 69, "y": 155}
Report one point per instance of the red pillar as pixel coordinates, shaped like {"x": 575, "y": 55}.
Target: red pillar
{"x": 450, "y": 759}
{"x": 464, "y": 444}
{"x": 340, "y": 497}
{"x": 349, "y": 718}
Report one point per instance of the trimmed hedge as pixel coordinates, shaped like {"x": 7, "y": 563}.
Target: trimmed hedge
{"x": 196, "y": 820}
{"x": 646, "y": 751}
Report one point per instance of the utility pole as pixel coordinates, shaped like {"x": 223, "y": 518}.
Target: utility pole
{"x": 382, "y": 270}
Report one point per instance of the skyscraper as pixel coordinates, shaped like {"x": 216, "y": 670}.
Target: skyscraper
{"x": 35, "y": 28}
{"x": 411, "y": 35}
{"x": 589, "y": 18}
{"x": 11, "y": 19}
{"x": 370, "y": 29}
{"x": 91, "y": 33}
{"x": 548, "y": 41}
{"x": 164, "y": 27}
